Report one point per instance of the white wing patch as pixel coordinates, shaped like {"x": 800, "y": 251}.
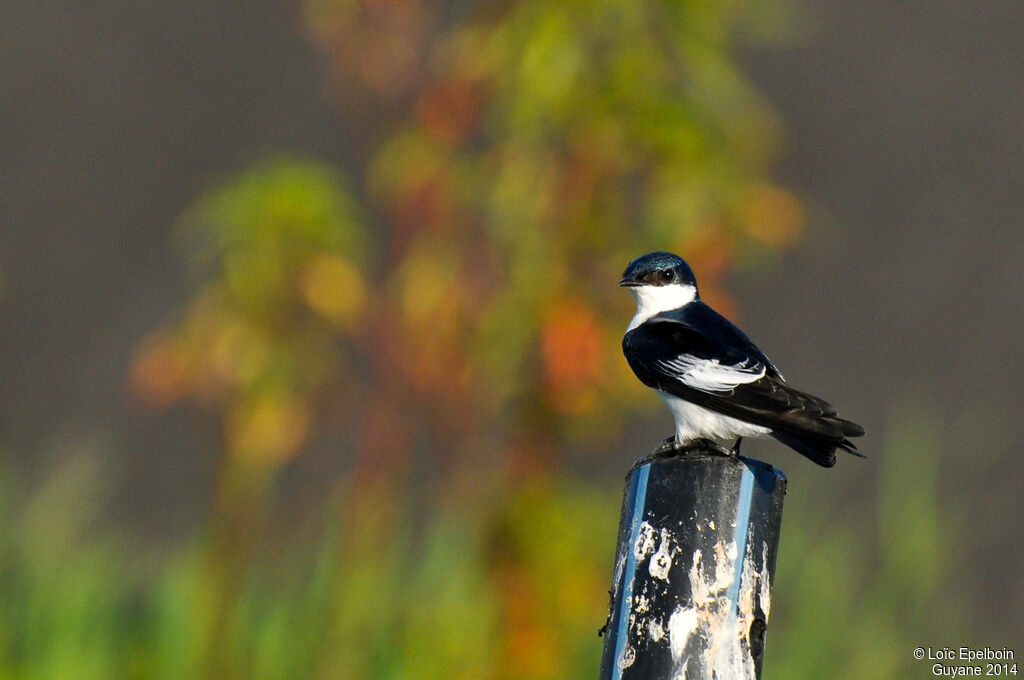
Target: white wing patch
{"x": 708, "y": 375}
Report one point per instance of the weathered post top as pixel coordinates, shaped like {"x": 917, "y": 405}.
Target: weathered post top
{"x": 691, "y": 590}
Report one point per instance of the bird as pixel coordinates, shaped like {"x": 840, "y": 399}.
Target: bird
{"x": 716, "y": 382}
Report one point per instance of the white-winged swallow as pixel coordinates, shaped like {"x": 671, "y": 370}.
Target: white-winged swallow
{"x": 714, "y": 380}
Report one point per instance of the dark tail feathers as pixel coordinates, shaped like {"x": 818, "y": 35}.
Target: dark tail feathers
{"x": 821, "y": 451}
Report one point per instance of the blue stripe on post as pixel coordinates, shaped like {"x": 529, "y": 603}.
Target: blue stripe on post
{"x": 639, "y": 491}
{"x": 739, "y": 536}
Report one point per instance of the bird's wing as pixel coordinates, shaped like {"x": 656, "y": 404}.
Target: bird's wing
{"x": 697, "y": 349}
{"x": 714, "y": 375}
{"x": 706, "y": 363}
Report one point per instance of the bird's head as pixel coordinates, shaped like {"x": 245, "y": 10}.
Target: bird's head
{"x": 660, "y": 282}
{"x": 658, "y": 269}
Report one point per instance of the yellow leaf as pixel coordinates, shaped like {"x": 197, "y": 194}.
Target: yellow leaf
{"x": 269, "y": 428}
{"x": 333, "y": 288}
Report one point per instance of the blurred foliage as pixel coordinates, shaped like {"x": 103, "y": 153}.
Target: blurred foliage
{"x": 536, "y": 149}
{"x": 512, "y": 586}
{"x": 451, "y": 320}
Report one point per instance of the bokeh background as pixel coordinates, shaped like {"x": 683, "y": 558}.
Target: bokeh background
{"x": 309, "y": 326}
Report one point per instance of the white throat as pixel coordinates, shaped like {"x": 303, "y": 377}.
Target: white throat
{"x": 652, "y": 300}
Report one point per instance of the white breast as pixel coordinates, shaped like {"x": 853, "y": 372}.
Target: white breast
{"x": 694, "y": 422}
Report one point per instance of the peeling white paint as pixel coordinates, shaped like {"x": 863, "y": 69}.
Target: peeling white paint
{"x": 627, "y": 658}
{"x": 766, "y": 586}
{"x": 705, "y": 633}
{"x": 681, "y": 627}
{"x": 655, "y": 630}
{"x": 661, "y": 562}
{"x": 707, "y": 638}
{"x": 659, "y": 547}
{"x": 725, "y": 561}
{"x": 620, "y": 564}
{"x": 644, "y": 542}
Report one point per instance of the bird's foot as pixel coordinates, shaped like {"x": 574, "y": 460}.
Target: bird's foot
{"x": 735, "y": 450}
{"x": 671, "y": 448}
{"x": 703, "y": 445}
{"x": 670, "y": 445}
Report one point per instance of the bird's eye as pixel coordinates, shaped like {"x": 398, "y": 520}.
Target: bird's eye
{"x": 667, "y": 275}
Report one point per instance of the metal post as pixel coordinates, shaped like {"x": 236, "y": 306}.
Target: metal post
{"x": 691, "y": 590}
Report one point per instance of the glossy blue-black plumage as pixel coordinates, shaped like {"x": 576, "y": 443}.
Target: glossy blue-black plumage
{"x": 646, "y": 269}
{"x": 705, "y": 334}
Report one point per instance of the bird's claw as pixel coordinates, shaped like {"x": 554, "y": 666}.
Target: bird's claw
{"x": 671, "y": 448}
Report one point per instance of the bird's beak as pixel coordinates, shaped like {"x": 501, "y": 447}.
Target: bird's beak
{"x": 629, "y": 283}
